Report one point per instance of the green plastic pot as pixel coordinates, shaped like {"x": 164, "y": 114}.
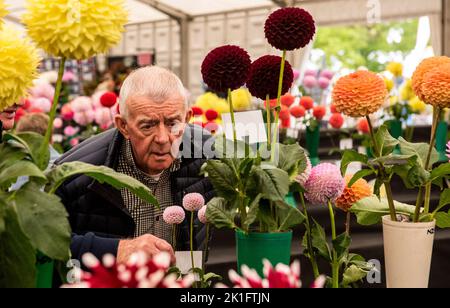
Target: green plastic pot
{"x": 253, "y": 248}
{"x": 312, "y": 144}
{"x": 441, "y": 140}
{"x": 44, "y": 271}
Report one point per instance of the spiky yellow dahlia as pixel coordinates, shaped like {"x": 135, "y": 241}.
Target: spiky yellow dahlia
{"x": 3, "y": 12}
{"x": 19, "y": 61}
{"x": 359, "y": 190}
{"x": 75, "y": 29}
{"x": 425, "y": 67}
{"x": 436, "y": 87}
{"x": 359, "y": 94}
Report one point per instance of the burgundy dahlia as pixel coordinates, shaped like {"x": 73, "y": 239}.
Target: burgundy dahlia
{"x": 226, "y": 68}
{"x": 264, "y": 75}
{"x": 289, "y": 28}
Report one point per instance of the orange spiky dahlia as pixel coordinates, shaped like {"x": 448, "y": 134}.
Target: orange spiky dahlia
{"x": 359, "y": 190}
{"x": 436, "y": 87}
{"x": 425, "y": 67}
{"x": 359, "y": 94}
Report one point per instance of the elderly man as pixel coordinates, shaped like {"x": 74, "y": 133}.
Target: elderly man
{"x": 151, "y": 128}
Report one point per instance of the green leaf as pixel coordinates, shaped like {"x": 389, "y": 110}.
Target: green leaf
{"x": 395, "y": 160}
{"x": 253, "y": 211}
{"x": 218, "y": 214}
{"x": 21, "y": 168}
{"x": 341, "y": 245}
{"x": 268, "y": 221}
{"x": 319, "y": 241}
{"x": 353, "y": 274}
{"x": 223, "y": 178}
{"x": 3, "y": 206}
{"x": 420, "y": 150}
{"x": 17, "y": 255}
{"x": 377, "y": 187}
{"x": 444, "y": 200}
{"x": 43, "y": 219}
{"x": 386, "y": 143}
{"x": 10, "y": 155}
{"x": 292, "y": 159}
{"x": 272, "y": 182}
{"x": 412, "y": 175}
{"x": 32, "y": 144}
{"x": 102, "y": 174}
{"x": 289, "y": 216}
{"x": 211, "y": 276}
{"x": 443, "y": 220}
{"x": 370, "y": 210}
{"x": 440, "y": 172}
{"x": 350, "y": 156}
{"x": 360, "y": 174}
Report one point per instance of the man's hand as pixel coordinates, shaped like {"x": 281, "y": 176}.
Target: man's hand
{"x": 147, "y": 243}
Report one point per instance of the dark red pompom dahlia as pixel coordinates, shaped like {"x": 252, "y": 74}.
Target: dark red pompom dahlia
{"x": 211, "y": 114}
{"x": 289, "y": 28}
{"x": 264, "y": 75}
{"x": 226, "y": 68}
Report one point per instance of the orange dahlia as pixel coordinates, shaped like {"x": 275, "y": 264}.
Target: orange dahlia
{"x": 359, "y": 94}
{"x": 359, "y": 190}
{"x": 436, "y": 86}
{"x": 424, "y": 68}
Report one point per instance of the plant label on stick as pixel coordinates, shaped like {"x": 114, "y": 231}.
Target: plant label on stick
{"x": 250, "y": 126}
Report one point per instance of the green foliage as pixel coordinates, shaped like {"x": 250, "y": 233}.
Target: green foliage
{"x": 356, "y": 46}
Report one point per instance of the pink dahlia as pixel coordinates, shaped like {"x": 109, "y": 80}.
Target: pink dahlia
{"x": 193, "y": 202}
{"x": 310, "y": 82}
{"x": 202, "y": 215}
{"x": 289, "y": 28}
{"x": 264, "y": 76}
{"x": 281, "y": 276}
{"x": 324, "y": 83}
{"x": 226, "y": 68}
{"x": 324, "y": 184}
{"x": 174, "y": 215}
{"x": 303, "y": 177}
{"x": 140, "y": 272}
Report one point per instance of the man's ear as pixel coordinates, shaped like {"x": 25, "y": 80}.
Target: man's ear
{"x": 189, "y": 115}
{"x": 122, "y": 125}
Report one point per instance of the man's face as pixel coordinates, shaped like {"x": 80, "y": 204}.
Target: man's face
{"x": 155, "y": 131}
{"x": 7, "y": 117}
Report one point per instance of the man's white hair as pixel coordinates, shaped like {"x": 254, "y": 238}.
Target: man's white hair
{"x": 156, "y": 83}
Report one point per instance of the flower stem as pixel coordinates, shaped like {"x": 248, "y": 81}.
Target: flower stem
{"x": 420, "y": 197}
{"x": 347, "y": 223}
{"x": 205, "y": 252}
{"x": 312, "y": 255}
{"x": 335, "y": 264}
{"x": 277, "y": 110}
{"x": 383, "y": 176}
{"x": 269, "y": 124}
{"x": 174, "y": 236}
{"x": 52, "y": 115}
{"x": 192, "y": 240}
{"x": 233, "y": 121}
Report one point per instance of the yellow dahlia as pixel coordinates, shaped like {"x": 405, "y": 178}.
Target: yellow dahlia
{"x": 75, "y": 29}
{"x": 389, "y": 84}
{"x": 425, "y": 67}
{"x": 359, "y": 190}
{"x": 436, "y": 87}
{"x": 241, "y": 99}
{"x": 359, "y": 94}
{"x": 19, "y": 61}
{"x": 416, "y": 105}
{"x": 3, "y": 12}
{"x": 395, "y": 68}
{"x": 407, "y": 92}
{"x": 212, "y": 101}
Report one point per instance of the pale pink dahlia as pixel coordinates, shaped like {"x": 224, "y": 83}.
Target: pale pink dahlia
{"x": 193, "y": 202}
{"x": 174, "y": 215}
{"x": 202, "y": 215}
{"x": 303, "y": 177}
{"x": 324, "y": 184}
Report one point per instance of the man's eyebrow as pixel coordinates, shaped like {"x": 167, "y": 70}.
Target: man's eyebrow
{"x": 147, "y": 120}
{"x": 174, "y": 117}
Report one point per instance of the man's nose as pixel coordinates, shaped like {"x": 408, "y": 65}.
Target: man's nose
{"x": 162, "y": 135}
